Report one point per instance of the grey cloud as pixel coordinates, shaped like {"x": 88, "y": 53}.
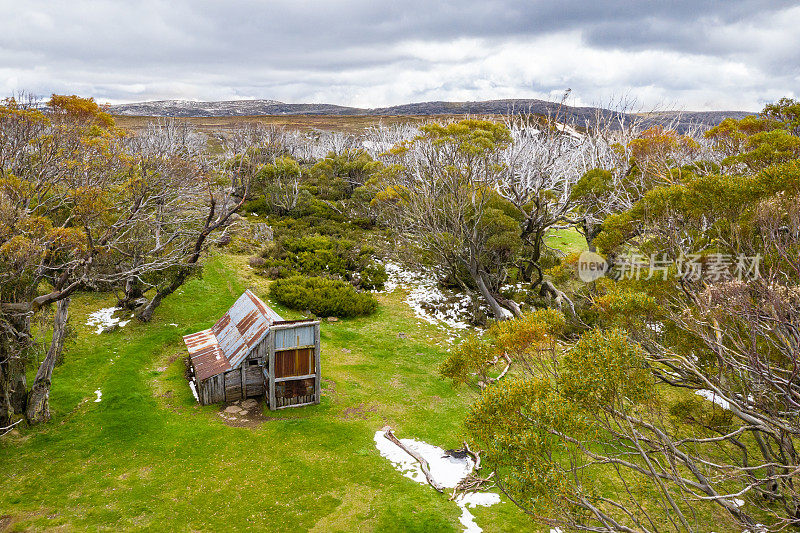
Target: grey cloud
{"x": 336, "y": 51}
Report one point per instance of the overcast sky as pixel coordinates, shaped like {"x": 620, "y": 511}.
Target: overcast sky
{"x": 695, "y": 55}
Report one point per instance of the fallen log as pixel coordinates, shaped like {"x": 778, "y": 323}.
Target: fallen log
{"x": 387, "y": 431}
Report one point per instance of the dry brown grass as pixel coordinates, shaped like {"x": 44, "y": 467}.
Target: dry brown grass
{"x": 348, "y": 124}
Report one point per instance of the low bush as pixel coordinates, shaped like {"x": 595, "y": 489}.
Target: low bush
{"x": 322, "y": 255}
{"x": 322, "y": 296}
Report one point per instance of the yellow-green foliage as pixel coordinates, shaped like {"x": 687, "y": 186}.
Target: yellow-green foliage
{"x": 527, "y": 335}
{"x": 516, "y": 422}
{"x": 593, "y": 184}
{"x": 471, "y": 136}
{"x": 523, "y": 338}
{"x": 605, "y": 369}
{"x": 727, "y": 200}
{"x": 564, "y": 270}
{"x": 473, "y": 356}
{"x": 512, "y": 423}
{"x": 338, "y": 175}
{"x": 624, "y": 305}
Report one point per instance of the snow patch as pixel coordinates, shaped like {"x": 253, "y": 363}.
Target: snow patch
{"x": 194, "y": 390}
{"x": 474, "y": 499}
{"x": 103, "y": 319}
{"x": 99, "y": 395}
{"x": 429, "y": 302}
{"x": 569, "y": 130}
{"x": 712, "y": 397}
{"x": 445, "y": 470}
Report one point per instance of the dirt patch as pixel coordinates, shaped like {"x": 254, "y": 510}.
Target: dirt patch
{"x": 360, "y": 412}
{"x": 243, "y": 413}
{"x": 248, "y": 413}
{"x": 5, "y": 522}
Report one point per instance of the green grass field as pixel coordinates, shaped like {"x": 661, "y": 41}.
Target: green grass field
{"x": 148, "y": 457}
{"x": 566, "y": 240}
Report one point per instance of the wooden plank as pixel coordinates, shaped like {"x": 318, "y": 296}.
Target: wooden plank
{"x": 232, "y": 385}
{"x": 317, "y": 365}
{"x": 271, "y": 372}
{"x": 276, "y": 327}
{"x": 218, "y": 394}
{"x": 296, "y": 405}
{"x": 294, "y": 378}
{"x": 243, "y": 371}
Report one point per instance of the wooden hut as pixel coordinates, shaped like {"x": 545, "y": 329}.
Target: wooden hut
{"x": 251, "y": 351}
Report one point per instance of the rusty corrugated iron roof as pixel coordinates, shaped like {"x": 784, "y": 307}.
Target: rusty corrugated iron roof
{"x": 227, "y": 343}
{"x": 207, "y": 359}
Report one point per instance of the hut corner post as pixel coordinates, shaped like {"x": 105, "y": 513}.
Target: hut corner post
{"x": 317, "y": 365}
{"x": 271, "y": 372}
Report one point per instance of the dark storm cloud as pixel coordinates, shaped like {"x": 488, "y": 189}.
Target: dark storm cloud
{"x": 377, "y": 53}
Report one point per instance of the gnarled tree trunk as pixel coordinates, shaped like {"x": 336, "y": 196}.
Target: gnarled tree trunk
{"x": 5, "y": 398}
{"x": 499, "y": 312}
{"x": 38, "y": 406}
{"x": 13, "y": 383}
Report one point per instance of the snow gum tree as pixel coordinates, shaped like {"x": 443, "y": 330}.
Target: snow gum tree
{"x": 83, "y": 206}
{"x": 678, "y": 407}
{"x": 439, "y": 194}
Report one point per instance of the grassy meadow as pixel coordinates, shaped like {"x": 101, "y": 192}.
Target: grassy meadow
{"x": 148, "y": 457}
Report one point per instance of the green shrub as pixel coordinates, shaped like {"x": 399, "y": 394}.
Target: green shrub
{"x": 315, "y": 254}
{"x": 322, "y": 296}
{"x": 373, "y": 276}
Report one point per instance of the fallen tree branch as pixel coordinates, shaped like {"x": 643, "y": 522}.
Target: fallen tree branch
{"x": 476, "y": 458}
{"x": 559, "y": 297}
{"x": 464, "y": 452}
{"x": 387, "y": 431}
{"x": 502, "y": 374}
{"x": 472, "y": 483}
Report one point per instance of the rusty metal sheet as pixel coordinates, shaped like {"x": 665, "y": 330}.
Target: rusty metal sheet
{"x": 221, "y": 324}
{"x": 264, "y": 308}
{"x": 227, "y": 343}
{"x": 207, "y": 359}
{"x": 248, "y": 321}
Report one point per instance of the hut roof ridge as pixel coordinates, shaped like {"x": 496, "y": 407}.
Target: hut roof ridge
{"x": 226, "y": 344}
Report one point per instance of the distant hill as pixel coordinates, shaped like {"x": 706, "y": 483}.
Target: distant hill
{"x": 229, "y": 108}
{"x": 581, "y": 115}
